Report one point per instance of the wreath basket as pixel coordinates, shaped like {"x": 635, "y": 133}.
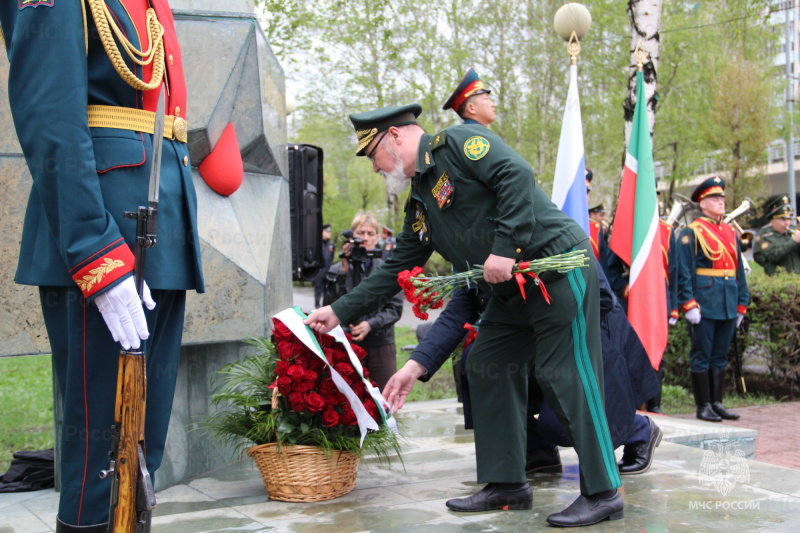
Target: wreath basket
{"x": 298, "y": 473}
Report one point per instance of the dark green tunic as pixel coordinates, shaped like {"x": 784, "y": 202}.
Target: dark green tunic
{"x": 475, "y": 196}
{"x": 773, "y": 250}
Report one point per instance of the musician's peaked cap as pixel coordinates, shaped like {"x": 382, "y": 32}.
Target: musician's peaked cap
{"x": 713, "y": 186}
{"x": 371, "y": 123}
{"x": 782, "y": 211}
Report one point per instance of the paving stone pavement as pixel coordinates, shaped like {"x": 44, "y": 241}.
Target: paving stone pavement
{"x": 687, "y": 489}
{"x": 778, "y": 427}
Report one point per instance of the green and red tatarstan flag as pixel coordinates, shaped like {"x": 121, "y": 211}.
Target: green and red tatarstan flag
{"x": 636, "y": 239}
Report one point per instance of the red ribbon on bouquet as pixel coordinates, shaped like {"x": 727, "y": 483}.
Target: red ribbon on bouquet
{"x": 470, "y": 336}
{"x": 520, "y": 277}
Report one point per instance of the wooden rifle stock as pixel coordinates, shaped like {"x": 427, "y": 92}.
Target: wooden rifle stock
{"x": 132, "y": 495}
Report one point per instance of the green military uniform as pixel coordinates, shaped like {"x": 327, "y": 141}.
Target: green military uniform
{"x": 474, "y": 196}
{"x": 774, "y": 249}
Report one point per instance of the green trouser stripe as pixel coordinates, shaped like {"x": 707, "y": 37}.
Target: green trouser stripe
{"x": 586, "y": 373}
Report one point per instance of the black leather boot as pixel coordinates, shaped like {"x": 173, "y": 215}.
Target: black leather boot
{"x": 702, "y": 397}
{"x": 61, "y": 527}
{"x": 717, "y": 391}
{"x": 653, "y": 405}
{"x": 506, "y": 496}
{"x": 543, "y": 460}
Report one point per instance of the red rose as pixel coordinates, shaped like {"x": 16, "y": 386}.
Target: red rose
{"x": 345, "y": 370}
{"x": 281, "y": 367}
{"x": 315, "y": 363}
{"x": 314, "y": 402}
{"x": 330, "y": 354}
{"x": 280, "y": 331}
{"x": 348, "y": 416}
{"x": 325, "y": 340}
{"x": 360, "y": 352}
{"x": 359, "y": 388}
{"x": 310, "y": 375}
{"x": 327, "y": 387}
{"x": 365, "y": 370}
{"x": 285, "y": 350}
{"x": 330, "y": 418}
{"x": 331, "y": 401}
{"x": 297, "y": 400}
{"x": 304, "y": 386}
{"x": 296, "y": 372}
{"x": 372, "y": 409}
{"x": 285, "y": 385}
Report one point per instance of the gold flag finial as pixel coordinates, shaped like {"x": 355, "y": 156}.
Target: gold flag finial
{"x": 573, "y": 48}
{"x": 640, "y": 55}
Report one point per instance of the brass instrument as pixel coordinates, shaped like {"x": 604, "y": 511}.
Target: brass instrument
{"x": 675, "y": 212}
{"x": 746, "y": 236}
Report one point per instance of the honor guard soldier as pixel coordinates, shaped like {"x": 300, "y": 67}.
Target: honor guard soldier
{"x": 89, "y": 166}
{"x": 475, "y": 201}
{"x": 597, "y": 231}
{"x": 713, "y": 294}
{"x": 778, "y": 245}
{"x": 471, "y": 100}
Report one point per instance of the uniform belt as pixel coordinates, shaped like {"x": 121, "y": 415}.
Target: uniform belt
{"x": 126, "y": 118}
{"x": 716, "y": 272}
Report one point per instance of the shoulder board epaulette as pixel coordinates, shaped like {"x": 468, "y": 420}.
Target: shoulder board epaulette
{"x": 438, "y": 140}
{"x": 694, "y": 224}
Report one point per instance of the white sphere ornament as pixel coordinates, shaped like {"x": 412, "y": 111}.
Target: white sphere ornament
{"x": 291, "y": 104}
{"x": 572, "y": 17}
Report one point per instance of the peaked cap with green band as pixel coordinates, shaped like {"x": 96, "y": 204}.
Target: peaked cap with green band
{"x": 371, "y": 123}
{"x": 782, "y": 211}
{"x": 778, "y": 201}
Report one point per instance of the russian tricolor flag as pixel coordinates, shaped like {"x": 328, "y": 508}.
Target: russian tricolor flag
{"x": 569, "y": 185}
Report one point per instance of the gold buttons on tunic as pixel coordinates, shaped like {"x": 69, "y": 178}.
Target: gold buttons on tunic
{"x": 186, "y": 160}
{"x": 177, "y": 110}
{"x": 171, "y": 61}
{"x": 519, "y": 250}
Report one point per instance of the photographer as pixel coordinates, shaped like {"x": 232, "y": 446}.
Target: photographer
{"x": 374, "y": 331}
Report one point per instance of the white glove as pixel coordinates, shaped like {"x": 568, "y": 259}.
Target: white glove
{"x": 123, "y": 313}
{"x": 739, "y": 319}
{"x": 672, "y": 321}
{"x": 693, "y": 315}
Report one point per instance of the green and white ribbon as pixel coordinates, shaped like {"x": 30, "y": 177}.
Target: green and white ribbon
{"x": 293, "y": 318}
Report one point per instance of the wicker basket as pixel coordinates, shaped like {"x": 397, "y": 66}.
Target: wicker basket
{"x": 304, "y": 473}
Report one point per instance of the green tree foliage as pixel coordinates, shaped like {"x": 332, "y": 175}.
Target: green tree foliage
{"x": 345, "y": 56}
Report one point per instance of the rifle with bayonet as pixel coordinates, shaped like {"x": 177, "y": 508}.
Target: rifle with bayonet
{"x": 132, "y": 494}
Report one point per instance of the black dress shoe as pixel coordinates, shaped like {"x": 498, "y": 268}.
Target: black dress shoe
{"x": 724, "y": 413}
{"x": 543, "y": 460}
{"x": 637, "y": 458}
{"x": 511, "y": 497}
{"x": 588, "y": 510}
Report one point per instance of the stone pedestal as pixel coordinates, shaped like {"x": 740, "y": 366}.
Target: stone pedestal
{"x": 232, "y": 77}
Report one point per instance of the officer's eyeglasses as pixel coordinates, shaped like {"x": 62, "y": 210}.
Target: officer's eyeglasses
{"x": 372, "y": 152}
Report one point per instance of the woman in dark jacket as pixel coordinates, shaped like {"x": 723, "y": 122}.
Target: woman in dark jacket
{"x": 374, "y": 331}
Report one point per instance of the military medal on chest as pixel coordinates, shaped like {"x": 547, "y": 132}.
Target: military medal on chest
{"x": 419, "y": 226}
{"x": 443, "y": 190}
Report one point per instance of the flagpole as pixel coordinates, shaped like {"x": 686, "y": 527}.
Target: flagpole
{"x": 572, "y": 22}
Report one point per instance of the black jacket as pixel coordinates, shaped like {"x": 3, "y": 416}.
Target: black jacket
{"x": 382, "y": 320}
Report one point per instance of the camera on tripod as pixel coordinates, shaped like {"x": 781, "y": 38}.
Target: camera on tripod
{"x": 358, "y": 254}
